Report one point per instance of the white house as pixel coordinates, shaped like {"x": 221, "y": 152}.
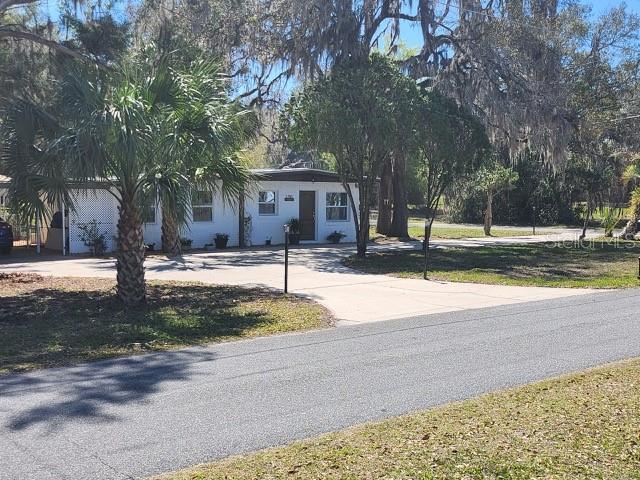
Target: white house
{"x": 316, "y": 197}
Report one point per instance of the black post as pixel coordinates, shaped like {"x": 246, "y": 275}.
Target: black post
{"x": 286, "y": 261}
{"x": 534, "y": 219}
{"x": 638, "y": 268}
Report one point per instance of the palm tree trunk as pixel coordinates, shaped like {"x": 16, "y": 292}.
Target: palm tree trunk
{"x": 170, "y": 234}
{"x": 488, "y": 214}
{"x": 130, "y": 257}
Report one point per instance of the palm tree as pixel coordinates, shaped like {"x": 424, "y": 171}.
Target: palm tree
{"x": 200, "y": 151}
{"x": 108, "y": 129}
{"x": 632, "y": 174}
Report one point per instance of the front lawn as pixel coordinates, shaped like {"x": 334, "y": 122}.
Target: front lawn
{"x": 460, "y": 232}
{"x": 456, "y": 232}
{"x": 597, "y": 264}
{"x": 48, "y": 321}
{"x": 580, "y": 426}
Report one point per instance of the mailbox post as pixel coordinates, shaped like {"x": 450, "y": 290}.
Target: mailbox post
{"x": 286, "y": 258}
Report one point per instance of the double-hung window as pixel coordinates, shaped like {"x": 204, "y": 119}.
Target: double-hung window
{"x": 267, "y": 202}
{"x": 149, "y": 210}
{"x": 337, "y": 206}
{"x": 202, "y": 206}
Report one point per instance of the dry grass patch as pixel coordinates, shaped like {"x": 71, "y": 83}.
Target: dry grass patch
{"x": 47, "y": 321}
{"x": 581, "y": 426}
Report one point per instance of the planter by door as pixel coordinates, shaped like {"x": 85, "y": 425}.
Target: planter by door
{"x": 307, "y": 215}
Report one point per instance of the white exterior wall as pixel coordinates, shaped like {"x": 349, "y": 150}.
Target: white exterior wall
{"x": 89, "y": 205}
{"x": 265, "y": 226}
{"x": 225, "y": 220}
{"x": 103, "y": 207}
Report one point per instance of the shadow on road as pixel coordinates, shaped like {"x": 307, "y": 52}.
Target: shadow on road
{"x": 89, "y": 391}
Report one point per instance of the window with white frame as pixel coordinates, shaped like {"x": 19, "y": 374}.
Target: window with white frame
{"x": 149, "y": 210}
{"x": 337, "y": 206}
{"x": 267, "y": 202}
{"x": 202, "y": 206}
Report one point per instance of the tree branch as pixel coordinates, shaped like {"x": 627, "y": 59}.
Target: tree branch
{"x": 6, "y": 4}
{"x": 32, "y": 37}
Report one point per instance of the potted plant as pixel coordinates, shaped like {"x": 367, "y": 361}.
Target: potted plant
{"x": 221, "y": 240}
{"x": 294, "y": 231}
{"x": 150, "y": 247}
{"x": 186, "y": 243}
{"x": 335, "y": 237}
{"x": 267, "y": 241}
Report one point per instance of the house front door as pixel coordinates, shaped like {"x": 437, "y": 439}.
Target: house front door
{"x": 307, "y": 215}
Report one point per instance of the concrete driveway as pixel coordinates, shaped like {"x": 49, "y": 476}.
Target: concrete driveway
{"x": 317, "y": 273}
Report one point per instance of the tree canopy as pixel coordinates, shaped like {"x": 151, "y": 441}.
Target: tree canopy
{"x": 356, "y": 114}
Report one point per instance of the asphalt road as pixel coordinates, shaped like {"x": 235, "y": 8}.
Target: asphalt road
{"x": 134, "y": 417}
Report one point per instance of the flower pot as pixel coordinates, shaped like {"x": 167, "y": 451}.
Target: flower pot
{"x": 267, "y": 242}
{"x": 221, "y": 243}
{"x": 294, "y": 239}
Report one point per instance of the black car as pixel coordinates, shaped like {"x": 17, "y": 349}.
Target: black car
{"x": 6, "y": 237}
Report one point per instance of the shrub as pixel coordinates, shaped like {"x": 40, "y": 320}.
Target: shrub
{"x": 294, "y": 225}
{"x": 335, "y": 237}
{"x": 610, "y": 219}
{"x": 92, "y": 238}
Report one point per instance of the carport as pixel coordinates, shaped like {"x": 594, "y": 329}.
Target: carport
{"x": 28, "y": 234}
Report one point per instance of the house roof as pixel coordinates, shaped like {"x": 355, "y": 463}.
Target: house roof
{"x": 296, "y": 175}
{"x": 273, "y": 174}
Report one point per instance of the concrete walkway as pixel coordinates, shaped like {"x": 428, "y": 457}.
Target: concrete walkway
{"x": 317, "y": 273}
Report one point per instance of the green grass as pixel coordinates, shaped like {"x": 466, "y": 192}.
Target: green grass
{"x": 454, "y": 232}
{"x": 48, "y": 322}
{"x": 599, "y": 264}
{"x": 457, "y": 232}
{"x": 580, "y": 426}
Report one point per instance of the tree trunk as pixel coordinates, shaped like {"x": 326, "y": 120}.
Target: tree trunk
{"x": 585, "y": 224}
{"x": 400, "y": 222}
{"x": 488, "y": 214}
{"x": 170, "y": 234}
{"x": 385, "y": 200}
{"x": 130, "y": 256}
{"x": 363, "y": 233}
{"x": 363, "y": 230}
{"x": 360, "y": 216}
{"x": 427, "y": 240}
